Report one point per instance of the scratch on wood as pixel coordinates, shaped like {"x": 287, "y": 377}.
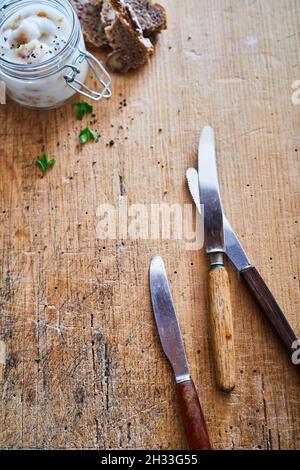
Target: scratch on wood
{"x": 2, "y": 352}
{"x": 106, "y": 375}
{"x": 129, "y": 432}
{"x": 2, "y": 358}
{"x": 122, "y": 186}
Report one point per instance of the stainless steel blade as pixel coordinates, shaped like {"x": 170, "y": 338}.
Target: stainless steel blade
{"x": 193, "y": 184}
{"x": 210, "y": 193}
{"x": 166, "y": 320}
{"x": 234, "y": 249}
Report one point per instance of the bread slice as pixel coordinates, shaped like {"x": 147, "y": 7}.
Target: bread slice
{"x": 126, "y": 26}
{"x": 131, "y": 49}
{"x": 151, "y": 17}
{"x": 89, "y": 12}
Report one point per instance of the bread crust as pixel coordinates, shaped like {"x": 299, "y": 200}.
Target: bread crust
{"x": 131, "y": 49}
{"x": 151, "y": 16}
{"x": 88, "y": 12}
{"x": 128, "y": 27}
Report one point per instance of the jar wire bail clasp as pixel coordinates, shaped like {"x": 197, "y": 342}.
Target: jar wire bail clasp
{"x": 98, "y": 70}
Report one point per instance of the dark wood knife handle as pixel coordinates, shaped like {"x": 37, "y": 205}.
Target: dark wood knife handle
{"x": 192, "y": 416}
{"x": 271, "y": 309}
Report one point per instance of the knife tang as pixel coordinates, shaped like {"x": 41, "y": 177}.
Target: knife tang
{"x": 270, "y": 308}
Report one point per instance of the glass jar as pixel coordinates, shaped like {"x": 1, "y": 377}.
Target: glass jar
{"x": 52, "y": 82}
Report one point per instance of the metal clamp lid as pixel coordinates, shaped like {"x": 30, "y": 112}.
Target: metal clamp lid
{"x": 103, "y": 77}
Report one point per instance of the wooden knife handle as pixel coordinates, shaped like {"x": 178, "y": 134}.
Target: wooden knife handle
{"x": 221, "y": 327}
{"x": 192, "y": 416}
{"x": 271, "y": 309}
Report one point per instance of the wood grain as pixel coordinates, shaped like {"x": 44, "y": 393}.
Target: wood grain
{"x": 221, "y": 323}
{"x": 83, "y": 366}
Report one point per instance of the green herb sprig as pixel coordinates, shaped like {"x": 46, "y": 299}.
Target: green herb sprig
{"x": 44, "y": 163}
{"x": 82, "y": 108}
{"x": 86, "y": 134}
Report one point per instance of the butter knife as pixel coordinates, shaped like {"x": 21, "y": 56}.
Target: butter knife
{"x": 220, "y": 314}
{"x": 172, "y": 344}
{"x": 251, "y": 276}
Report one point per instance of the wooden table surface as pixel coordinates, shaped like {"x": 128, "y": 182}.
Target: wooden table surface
{"x": 81, "y": 363}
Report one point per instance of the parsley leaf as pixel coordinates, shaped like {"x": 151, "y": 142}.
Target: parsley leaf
{"x": 44, "y": 163}
{"x": 86, "y": 134}
{"x": 82, "y": 108}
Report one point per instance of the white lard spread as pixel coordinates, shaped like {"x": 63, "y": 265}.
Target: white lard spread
{"x": 34, "y": 35}
{"x": 30, "y": 37}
